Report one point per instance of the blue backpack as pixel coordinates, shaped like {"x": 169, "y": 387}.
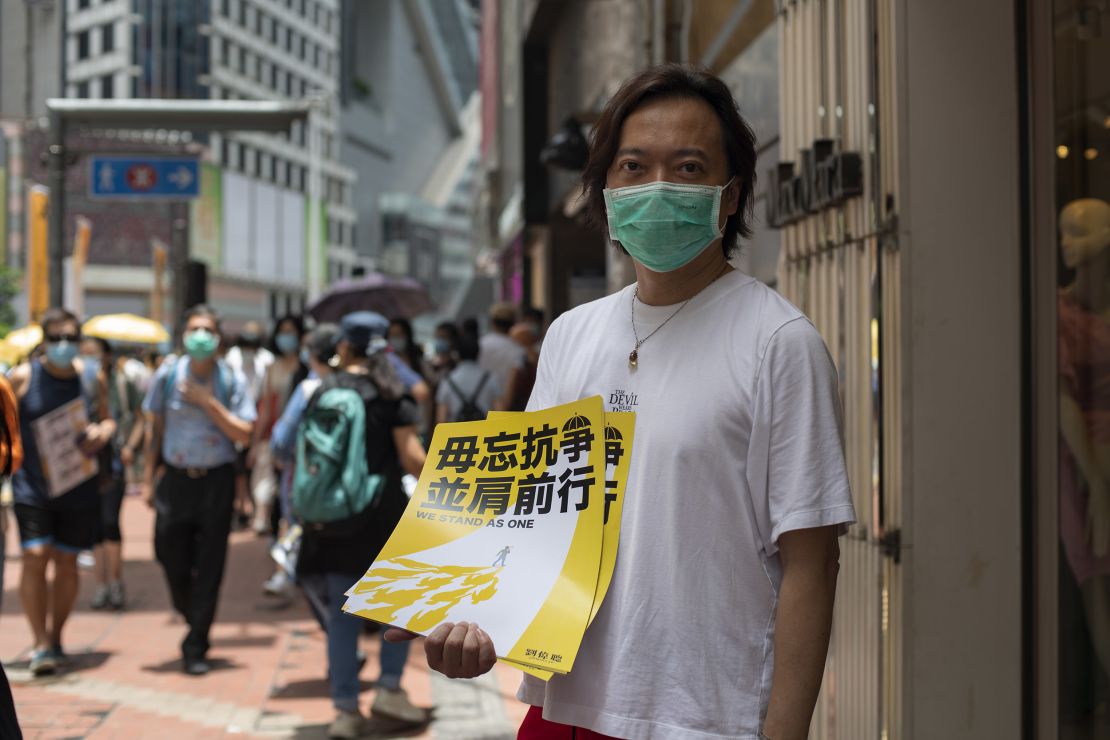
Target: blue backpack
{"x": 332, "y": 482}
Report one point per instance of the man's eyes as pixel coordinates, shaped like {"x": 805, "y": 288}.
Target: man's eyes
{"x": 690, "y": 168}
{"x": 630, "y": 166}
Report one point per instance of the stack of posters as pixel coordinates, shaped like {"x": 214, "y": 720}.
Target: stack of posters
{"x": 514, "y": 526}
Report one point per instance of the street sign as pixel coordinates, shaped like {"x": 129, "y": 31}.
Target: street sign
{"x": 144, "y": 178}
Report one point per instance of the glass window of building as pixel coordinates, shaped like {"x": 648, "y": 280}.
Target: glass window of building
{"x": 225, "y": 51}
{"x": 243, "y": 59}
{"x": 275, "y": 32}
{"x": 1082, "y": 148}
{"x": 107, "y": 87}
{"x": 82, "y": 4}
{"x": 83, "y": 89}
{"x": 107, "y": 38}
{"x": 289, "y": 39}
{"x": 83, "y": 45}
{"x": 225, "y": 8}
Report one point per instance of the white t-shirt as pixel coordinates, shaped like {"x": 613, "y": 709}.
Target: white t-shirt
{"x": 738, "y": 439}
{"x": 500, "y": 354}
{"x": 467, "y": 376}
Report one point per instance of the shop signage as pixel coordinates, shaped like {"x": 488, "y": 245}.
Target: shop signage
{"x": 826, "y": 178}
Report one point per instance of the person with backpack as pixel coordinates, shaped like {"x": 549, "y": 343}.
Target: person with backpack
{"x": 198, "y": 410}
{"x": 54, "y": 526}
{"x": 468, "y": 392}
{"x": 357, "y": 437}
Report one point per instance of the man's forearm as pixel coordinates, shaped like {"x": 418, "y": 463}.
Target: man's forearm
{"x": 234, "y": 428}
{"x": 802, "y": 628}
{"x": 152, "y": 438}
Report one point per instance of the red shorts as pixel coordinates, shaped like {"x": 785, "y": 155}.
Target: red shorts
{"x": 535, "y": 727}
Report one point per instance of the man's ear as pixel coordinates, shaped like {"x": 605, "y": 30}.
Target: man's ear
{"x": 731, "y": 198}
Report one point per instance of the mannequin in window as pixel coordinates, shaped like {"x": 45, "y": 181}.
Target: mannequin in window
{"x": 1084, "y": 373}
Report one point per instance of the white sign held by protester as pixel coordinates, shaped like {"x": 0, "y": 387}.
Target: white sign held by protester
{"x": 57, "y": 435}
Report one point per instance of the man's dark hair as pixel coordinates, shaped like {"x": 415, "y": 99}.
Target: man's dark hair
{"x": 58, "y": 316}
{"x": 467, "y": 347}
{"x": 201, "y": 309}
{"x": 469, "y": 326}
{"x": 533, "y": 313}
{"x": 680, "y": 81}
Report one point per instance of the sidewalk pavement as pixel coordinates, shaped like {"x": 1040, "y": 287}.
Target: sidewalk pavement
{"x": 124, "y": 677}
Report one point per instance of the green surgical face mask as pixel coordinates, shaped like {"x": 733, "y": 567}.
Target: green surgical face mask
{"x": 664, "y": 225}
{"x": 201, "y": 344}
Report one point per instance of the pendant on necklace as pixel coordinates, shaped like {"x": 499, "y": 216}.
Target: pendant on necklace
{"x": 633, "y": 356}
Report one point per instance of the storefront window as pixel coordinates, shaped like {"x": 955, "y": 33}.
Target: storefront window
{"x": 1082, "y": 127}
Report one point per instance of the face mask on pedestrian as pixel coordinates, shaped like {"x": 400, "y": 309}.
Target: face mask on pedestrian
{"x": 61, "y": 354}
{"x": 201, "y": 344}
{"x": 287, "y": 343}
{"x": 305, "y": 356}
{"x": 442, "y": 346}
{"x": 664, "y": 225}
{"x": 398, "y": 344}
{"x": 91, "y": 361}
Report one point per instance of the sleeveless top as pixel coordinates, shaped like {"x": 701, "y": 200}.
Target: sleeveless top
{"x": 46, "y": 393}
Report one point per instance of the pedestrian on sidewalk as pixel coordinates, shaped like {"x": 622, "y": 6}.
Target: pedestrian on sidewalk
{"x": 332, "y": 558}
{"x": 247, "y": 355}
{"x": 54, "y": 526}
{"x": 11, "y": 458}
{"x": 125, "y": 406}
{"x": 737, "y": 462}
{"x": 499, "y": 353}
{"x": 468, "y": 392}
{"x": 285, "y": 345}
{"x": 198, "y": 410}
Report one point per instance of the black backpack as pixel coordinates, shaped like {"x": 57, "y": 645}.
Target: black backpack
{"x": 470, "y": 410}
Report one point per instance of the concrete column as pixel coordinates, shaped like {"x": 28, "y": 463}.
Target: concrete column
{"x": 958, "y": 128}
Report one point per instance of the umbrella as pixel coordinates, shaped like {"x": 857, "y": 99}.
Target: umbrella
{"x": 392, "y": 297}
{"x": 19, "y": 343}
{"x": 126, "y": 328}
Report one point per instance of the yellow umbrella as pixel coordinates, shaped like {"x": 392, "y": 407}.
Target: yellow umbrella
{"x": 19, "y": 343}
{"x": 127, "y": 328}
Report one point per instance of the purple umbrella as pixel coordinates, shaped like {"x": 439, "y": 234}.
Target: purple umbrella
{"x": 392, "y": 297}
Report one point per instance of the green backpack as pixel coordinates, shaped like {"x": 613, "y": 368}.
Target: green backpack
{"x": 332, "y": 484}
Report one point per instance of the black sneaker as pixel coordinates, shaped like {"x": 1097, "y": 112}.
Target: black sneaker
{"x": 196, "y": 666}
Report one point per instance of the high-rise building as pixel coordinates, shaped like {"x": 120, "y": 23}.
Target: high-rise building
{"x": 258, "y": 201}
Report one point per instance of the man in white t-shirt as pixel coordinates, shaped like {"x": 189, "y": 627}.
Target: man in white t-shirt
{"x": 717, "y": 621}
{"x": 499, "y": 353}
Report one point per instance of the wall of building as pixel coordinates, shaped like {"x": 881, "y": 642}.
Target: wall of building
{"x": 18, "y": 43}
{"x": 395, "y": 126}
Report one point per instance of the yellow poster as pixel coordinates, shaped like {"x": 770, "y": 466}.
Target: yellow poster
{"x": 505, "y": 529}
{"x": 38, "y": 280}
{"x": 619, "y": 429}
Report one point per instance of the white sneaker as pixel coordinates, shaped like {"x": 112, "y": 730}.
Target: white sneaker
{"x": 395, "y": 704}
{"x": 347, "y": 725}
{"x": 277, "y": 584}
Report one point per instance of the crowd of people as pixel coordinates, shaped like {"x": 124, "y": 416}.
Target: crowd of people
{"x": 212, "y": 436}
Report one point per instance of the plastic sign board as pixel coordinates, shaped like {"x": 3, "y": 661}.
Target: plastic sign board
{"x": 144, "y": 178}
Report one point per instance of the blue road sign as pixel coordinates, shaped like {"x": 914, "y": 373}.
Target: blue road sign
{"x": 144, "y": 178}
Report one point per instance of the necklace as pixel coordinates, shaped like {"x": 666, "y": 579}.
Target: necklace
{"x": 634, "y": 355}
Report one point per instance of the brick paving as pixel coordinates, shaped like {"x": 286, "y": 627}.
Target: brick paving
{"x": 124, "y": 680}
